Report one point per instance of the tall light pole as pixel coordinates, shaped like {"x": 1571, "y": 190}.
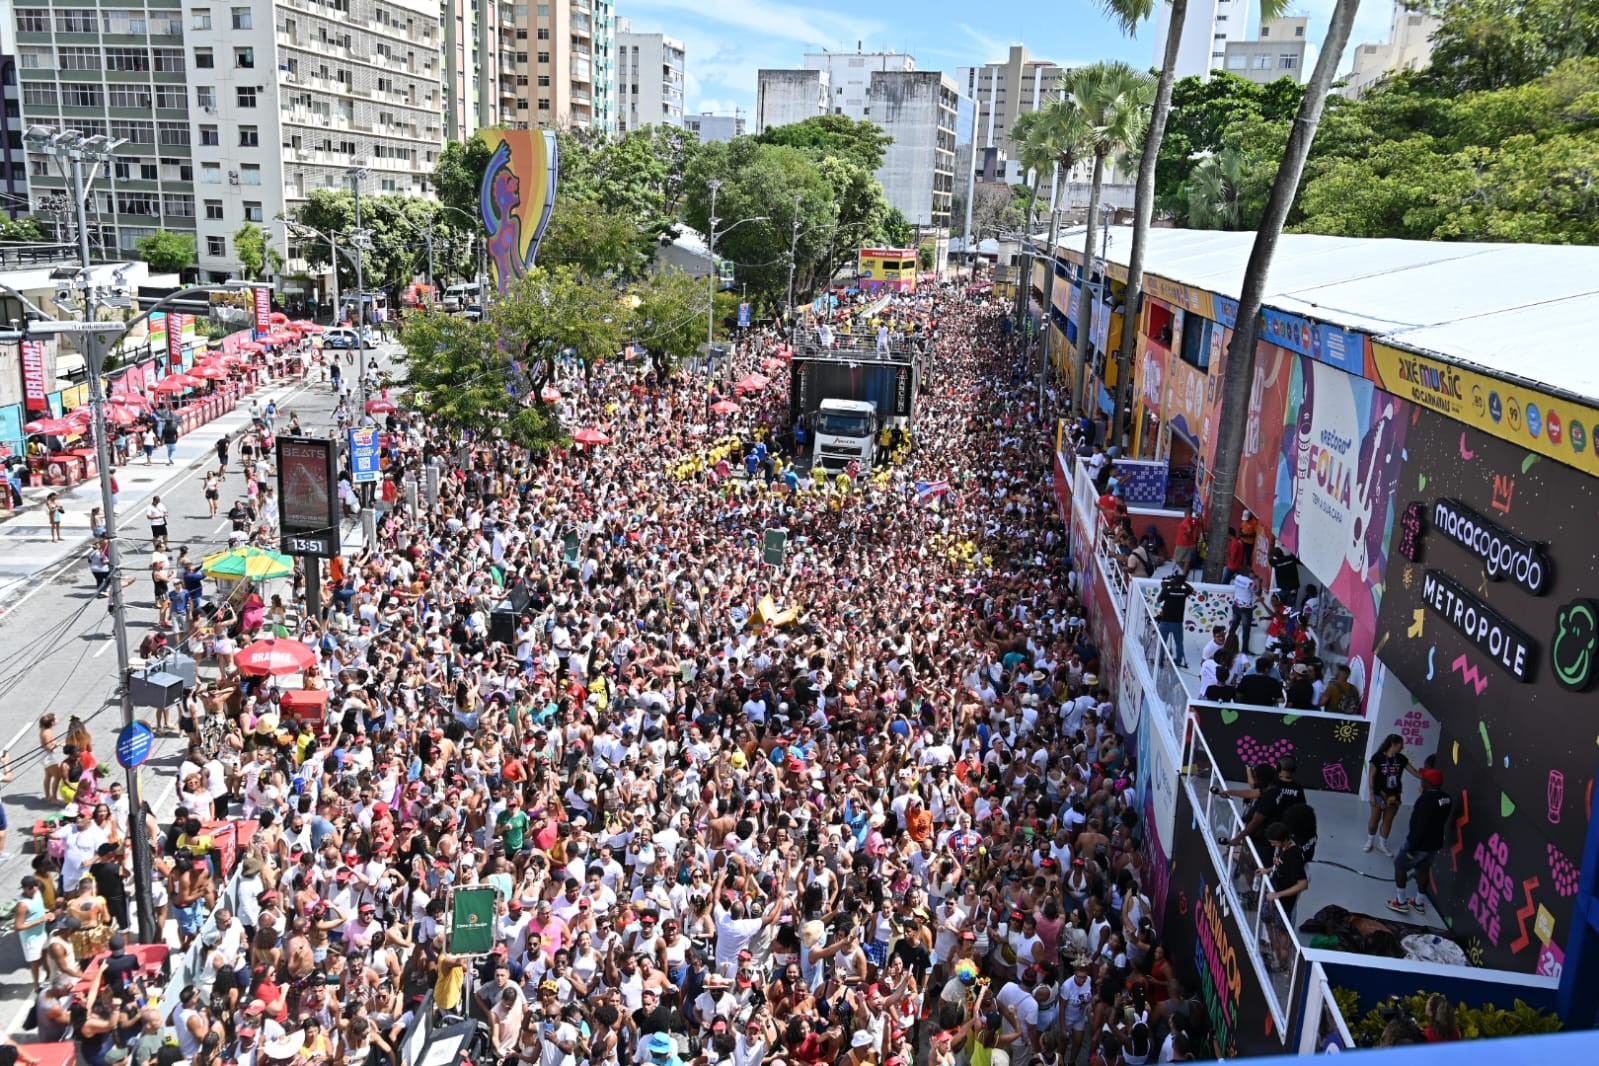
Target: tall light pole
{"x": 359, "y": 239}
{"x": 710, "y": 247}
{"x": 793, "y": 254}
{"x": 333, "y": 255}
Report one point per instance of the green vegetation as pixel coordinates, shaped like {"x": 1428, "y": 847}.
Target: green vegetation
{"x": 167, "y": 252}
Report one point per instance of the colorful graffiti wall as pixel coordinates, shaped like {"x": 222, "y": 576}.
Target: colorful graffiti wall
{"x": 1491, "y": 619}
{"x": 517, "y": 197}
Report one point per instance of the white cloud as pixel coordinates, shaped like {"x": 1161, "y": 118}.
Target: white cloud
{"x": 768, "y": 18}
{"x": 993, "y": 50}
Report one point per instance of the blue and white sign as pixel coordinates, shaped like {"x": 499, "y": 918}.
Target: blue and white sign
{"x": 364, "y": 466}
{"x": 134, "y": 745}
{"x": 743, "y": 316}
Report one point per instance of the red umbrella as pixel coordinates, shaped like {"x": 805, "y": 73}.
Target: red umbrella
{"x": 308, "y": 327}
{"x": 251, "y": 346}
{"x": 590, "y": 436}
{"x": 277, "y": 318}
{"x": 751, "y": 383}
{"x": 275, "y": 657}
{"x": 118, "y": 415}
{"x": 131, "y": 399}
{"x": 53, "y": 427}
{"x": 380, "y": 407}
{"x": 770, "y": 363}
{"x": 725, "y": 407}
{"x": 178, "y": 382}
{"x": 549, "y": 394}
{"x": 210, "y": 371}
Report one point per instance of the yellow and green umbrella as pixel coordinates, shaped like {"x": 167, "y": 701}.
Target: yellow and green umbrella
{"x": 255, "y": 564}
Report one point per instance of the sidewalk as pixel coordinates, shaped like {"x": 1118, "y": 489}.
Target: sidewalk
{"x": 26, "y": 549}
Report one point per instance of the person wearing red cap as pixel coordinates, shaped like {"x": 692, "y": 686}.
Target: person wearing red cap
{"x": 1429, "y": 825}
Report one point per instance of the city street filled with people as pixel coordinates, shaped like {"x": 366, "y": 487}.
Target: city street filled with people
{"x": 866, "y": 804}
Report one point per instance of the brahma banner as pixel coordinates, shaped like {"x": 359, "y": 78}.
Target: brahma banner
{"x": 36, "y": 390}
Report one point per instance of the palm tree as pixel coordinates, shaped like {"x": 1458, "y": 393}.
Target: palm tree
{"x": 1240, "y": 371}
{"x": 1128, "y": 14}
{"x": 1213, "y": 191}
{"x": 1114, "y": 100}
{"x": 1034, "y": 153}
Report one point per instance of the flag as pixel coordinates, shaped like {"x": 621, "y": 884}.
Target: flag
{"x": 929, "y": 491}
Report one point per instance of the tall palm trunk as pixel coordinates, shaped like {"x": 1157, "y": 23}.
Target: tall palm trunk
{"x": 1240, "y": 371}
{"x": 1143, "y": 215}
{"x": 1085, "y": 304}
{"x": 1024, "y": 284}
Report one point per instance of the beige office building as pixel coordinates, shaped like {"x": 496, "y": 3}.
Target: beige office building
{"x": 1003, "y": 92}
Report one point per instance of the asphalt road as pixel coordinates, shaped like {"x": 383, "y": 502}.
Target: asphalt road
{"x": 56, "y": 648}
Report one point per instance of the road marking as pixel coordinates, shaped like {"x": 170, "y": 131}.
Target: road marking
{"x": 110, "y": 643}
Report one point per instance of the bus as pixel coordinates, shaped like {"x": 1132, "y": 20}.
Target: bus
{"x": 888, "y": 269}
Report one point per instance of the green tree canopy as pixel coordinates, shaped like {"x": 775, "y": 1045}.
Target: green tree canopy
{"x": 865, "y": 143}
{"x": 458, "y": 178}
{"x": 1202, "y": 114}
{"x": 1497, "y": 44}
{"x": 397, "y": 252}
{"x": 167, "y": 252}
{"x": 584, "y": 234}
{"x": 669, "y": 315}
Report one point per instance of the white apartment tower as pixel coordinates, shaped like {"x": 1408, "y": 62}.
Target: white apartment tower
{"x": 1003, "y": 92}
{"x": 1207, "y": 29}
{"x": 649, "y": 79}
{"x": 234, "y": 112}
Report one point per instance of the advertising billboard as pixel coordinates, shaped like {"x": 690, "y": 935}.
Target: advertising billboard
{"x": 308, "y": 497}
{"x": 516, "y": 198}
{"x": 1491, "y": 615}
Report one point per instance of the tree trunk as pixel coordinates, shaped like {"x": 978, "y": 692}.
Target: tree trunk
{"x": 1024, "y": 284}
{"x": 1085, "y": 303}
{"x": 1143, "y": 215}
{"x": 1240, "y": 372}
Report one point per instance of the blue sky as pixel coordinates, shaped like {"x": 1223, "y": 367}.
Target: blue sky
{"x": 729, "y": 40}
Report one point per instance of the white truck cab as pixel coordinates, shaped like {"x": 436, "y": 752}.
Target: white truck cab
{"x": 846, "y": 431}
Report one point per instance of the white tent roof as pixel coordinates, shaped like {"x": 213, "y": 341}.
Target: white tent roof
{"x": 1517, "y": 311}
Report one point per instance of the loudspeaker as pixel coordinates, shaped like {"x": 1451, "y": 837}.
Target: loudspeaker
{"x": 157, "y": 689}
{"x": 502, "y": 624}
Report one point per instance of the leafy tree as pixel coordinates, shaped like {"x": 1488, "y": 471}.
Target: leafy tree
{"x": 1495, "y": 44}
{"x": 560, "y": 309}
{"x": 458, "y": 178}
{"x": 1202, "y": 113}
{"x": 669, "y": 311}
{"x": 167, "y": 252}
{"x": 21, "y": 229}
{"x": 640, "y": 175}
{"x": 863, "y": 142}
{"x": 462, "y": 374}
{"x": 584, "y": 234}
{"x": 253, "y": 252}
{"x": 996, "y": 209}
{"x": 397, "y": 253}
{"x": 897, "y": 231}
{"x": 1227, "y": 189}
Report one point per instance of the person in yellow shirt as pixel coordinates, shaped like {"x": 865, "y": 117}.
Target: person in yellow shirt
{"x": 450, "y": 984}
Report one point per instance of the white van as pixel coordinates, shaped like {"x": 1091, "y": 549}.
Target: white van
{"x": 459, "y": 295}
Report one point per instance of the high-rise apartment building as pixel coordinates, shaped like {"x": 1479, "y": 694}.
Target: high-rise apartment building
{"x": 1278, "y": 52}
{"x": 649, "y": 79}
{"x": 563, "y": 72}
{"x": 1409, "y": 47}
{"x": 479, "y": 65}
{"x": 1207, "y": 28}
{"x": 13, "y": 161}
{"x": 708, "y": 127}
{"x": 1003, "y": 92}
{"x": 919, "y": 109}
{"x": 233, "y": 112}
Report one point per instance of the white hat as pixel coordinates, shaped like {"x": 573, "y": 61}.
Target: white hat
{"x": 861, "y": 1039}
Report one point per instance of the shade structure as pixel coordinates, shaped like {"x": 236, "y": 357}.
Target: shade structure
{"x": 305, "y": 326}
{"x": 590, "y": 436}
{"x": 277, "y": 318}
{"x": 50, "y": 426}
{"x": 275, "y": 657}
{"x": 751, "y": 383}
{"x": 257, "y": 564}
{"x": 251, "y": 346}
{"x": 178, "y": 382}
{"x": 770, "y": 363}
{"x": 118, "y": 415}
{"x": 380, "y": 406}
{"x": 131, "y": 399}
{"x": 550, "y": 394}
{"x": 210, "y": 371}
{"x": 725, "y": 407}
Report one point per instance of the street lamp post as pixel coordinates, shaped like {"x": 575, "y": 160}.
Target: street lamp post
{"x": 333, "y": 256}
{"x": 710, "y": 308}
{"x": 793, "y": 253}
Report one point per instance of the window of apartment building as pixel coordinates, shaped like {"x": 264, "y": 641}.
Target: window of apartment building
{"x": 246, "y": 95}
{"x": 1263, "y": 62}
{"x": 149, "y": 171}
{"x": 521, "y": 34}
{"x": 133, "y": 132}
{"x": 172, "y": 97}
{"x": 78, "y": 58}
{"x": 210, "y": 137}
{"x": 81, "y": 94}
{"x": 178, "y": 204}
{"x": 36, "y": 94}
{"x": 130, "y": 96}
{"x": 544, "y": 81}
{"x": 544, "y": 33}
{"x": 34, "y": 58}
{"x": 251, "y": 173}
{"x": 138, "y": 203}
{"x": 217, "y": 246}
{"x": 205, "y": 96}
{"x": 33, "y": 20}
{"x": 169, "y": 60}
{"x": 122, "y": 169}
{"x": 204, "y": 59}
{"x": 173, "y": 133}
{"x": 127, "y": 59}
{"x": 211, "y": 173}
{"x": 213, "y": 210}
{"x": 244, "y": 58}
{"x": 242, "y": 19}
{"x": 1289, "y": 62}
{"x": 1237, "y": 62}
{"x": 544, "y": 103}
{"x": 544, "y": 57}
{"x": 249, "y": 137}
{"x": 1415, "y": 20}
{"x": 131, "y": 22}
{"x": 200, "y": 18}
{"x": 347, "y": 147}
{"x": 77, "y": 21}
{"x": 253, "y": 211}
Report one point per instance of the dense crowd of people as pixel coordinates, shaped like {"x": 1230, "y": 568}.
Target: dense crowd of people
{"x": 865, "y": 806}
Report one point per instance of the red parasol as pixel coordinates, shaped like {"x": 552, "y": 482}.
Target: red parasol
{"x": 380, "y": 407}
{"x": 210, "y": 371}
{"x": 131, "y": 399}
{"x": 725, "y": 407}
{"x": 178, "y": 382}
{"x": 751, "y": 383}
{"x": 550, "y": 394}
{"x": 53, "y": 427}
{"x": 275, "y": 657}
{"x": 590, "y": 436}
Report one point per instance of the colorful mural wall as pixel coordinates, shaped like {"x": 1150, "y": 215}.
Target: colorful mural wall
{"x": 516, "y": 198}
{"x": 1491, "y": 619}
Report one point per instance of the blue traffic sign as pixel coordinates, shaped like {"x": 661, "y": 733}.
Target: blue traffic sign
{"x": 365, "y": 467}
{"x": 743, "y": 316}
{"x": 134, "y": 745}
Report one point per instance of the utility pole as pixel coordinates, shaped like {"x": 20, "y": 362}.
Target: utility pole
{"x": 793, "y": 252}
{"x": 710, "y": 247}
